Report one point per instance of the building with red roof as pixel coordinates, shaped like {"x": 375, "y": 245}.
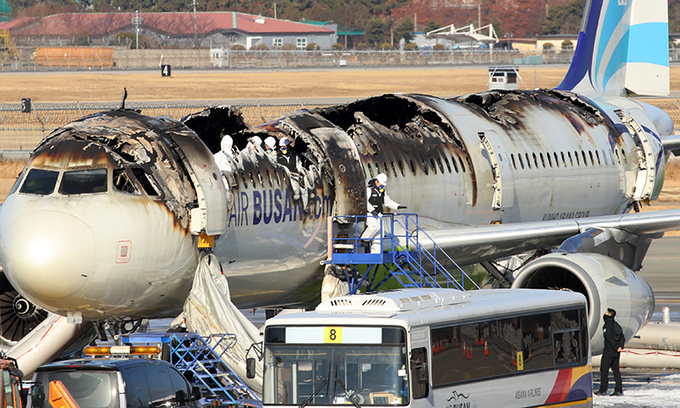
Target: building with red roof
{"x": 182, "y": 30}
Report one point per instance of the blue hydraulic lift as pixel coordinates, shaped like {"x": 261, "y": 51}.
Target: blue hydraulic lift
{"x": 404, "y": 257}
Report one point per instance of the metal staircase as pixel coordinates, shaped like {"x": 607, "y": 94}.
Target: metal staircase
{"x": 200, "y": 360}
{"x": 404, "y": 257}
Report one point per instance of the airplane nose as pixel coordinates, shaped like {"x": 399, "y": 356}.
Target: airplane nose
{"x": 48, "y": 254}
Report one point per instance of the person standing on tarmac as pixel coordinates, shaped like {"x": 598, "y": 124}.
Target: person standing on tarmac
{"x": 613, "y": 345}
{"x": 377, "y": 198}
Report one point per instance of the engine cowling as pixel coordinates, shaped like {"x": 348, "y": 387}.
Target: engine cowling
{"x": 19, "y": 316}
{"x": 604, "y": 282}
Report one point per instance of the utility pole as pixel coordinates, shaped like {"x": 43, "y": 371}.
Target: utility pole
{"x": 274, "y": 10}
{"x": 137, "y": 22}
{"x": 195, "y": 27}
{"x": 479, "y": 13}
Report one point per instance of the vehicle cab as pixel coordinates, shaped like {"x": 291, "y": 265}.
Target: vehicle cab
{"x": 115, "y": 382}
{"x": 10, "y": 383}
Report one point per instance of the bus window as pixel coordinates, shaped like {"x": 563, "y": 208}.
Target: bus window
{"x": 507, "y": 346}
{"x": 536, "y": 342}
{"x": 324, "y": 375}
{"x": 567, "y": 340}
{"x": 419, "y": 372}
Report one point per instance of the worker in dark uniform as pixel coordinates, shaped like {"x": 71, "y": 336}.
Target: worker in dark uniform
{"x": 287, "y": 158}
{"x": 613, "y": 345}
{"x": 377, "y": 199}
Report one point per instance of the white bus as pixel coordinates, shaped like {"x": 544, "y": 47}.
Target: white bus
{"x": 439, "y": 348}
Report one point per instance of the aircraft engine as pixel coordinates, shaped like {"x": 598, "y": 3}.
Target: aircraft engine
{"x": 604, "y": 282}
{"x": 18, "y": 315}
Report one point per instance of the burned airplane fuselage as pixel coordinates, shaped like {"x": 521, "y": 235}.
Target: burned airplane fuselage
{"x": 495, "y": 157}
{"x": 101, "y": 215}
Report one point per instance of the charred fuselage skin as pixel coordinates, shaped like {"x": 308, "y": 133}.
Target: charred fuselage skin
{"x": 122, "y": 248}
{"x": 557, "y": 156}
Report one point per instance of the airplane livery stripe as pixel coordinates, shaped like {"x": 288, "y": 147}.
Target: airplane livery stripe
{"x": 639, "y": 49}
{"x": 611, "y": 44}
{"x": 615, "y": 63}
{"x": 585, "y": 47}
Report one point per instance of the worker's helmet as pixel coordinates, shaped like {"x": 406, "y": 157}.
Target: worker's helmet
{"x": 382, "y": 178}
{"x": 270, "y": 142}
{"x": 284, "y": 141}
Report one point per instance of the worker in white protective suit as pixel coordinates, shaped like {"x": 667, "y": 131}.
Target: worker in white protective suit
{"x": 270, "y": 147}
{"x": 225, "y": 156}
{"x": 377, "y": 199}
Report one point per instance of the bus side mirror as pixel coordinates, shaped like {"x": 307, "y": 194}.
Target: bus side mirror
{"x": 181, "y": 397}
{"x": 37, "y": 395}
{"x": 421, "y": 373}
{"x": 250, "y": 367}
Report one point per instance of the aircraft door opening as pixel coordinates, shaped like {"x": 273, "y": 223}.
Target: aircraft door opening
{"x": 210, "y": 216}
{"x": 503, "y": 185}
{"x": 644, "y": 184}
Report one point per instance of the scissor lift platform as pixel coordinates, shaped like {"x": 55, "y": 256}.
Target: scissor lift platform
{"x": 403, "y": 255}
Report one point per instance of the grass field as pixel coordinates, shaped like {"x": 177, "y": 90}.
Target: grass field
{"x": 262, "y": 85}
{"x": 189, "y": 85}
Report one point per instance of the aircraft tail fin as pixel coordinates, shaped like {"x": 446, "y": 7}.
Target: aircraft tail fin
{"x": 622, "y": 49}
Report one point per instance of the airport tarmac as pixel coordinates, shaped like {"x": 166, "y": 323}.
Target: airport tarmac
{"x": 652, "y": 388}
{"x": 642, "y": 388}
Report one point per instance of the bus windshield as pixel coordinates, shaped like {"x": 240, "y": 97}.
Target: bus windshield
{"x": 336, "y": 374}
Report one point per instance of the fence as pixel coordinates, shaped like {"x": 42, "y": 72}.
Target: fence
{"x": 23, "y": 131}
{"x": 126, "y": 59}
{"x": 33, "y": 59}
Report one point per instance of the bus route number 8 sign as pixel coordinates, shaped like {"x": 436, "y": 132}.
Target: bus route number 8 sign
{"x": 332, "y": 335}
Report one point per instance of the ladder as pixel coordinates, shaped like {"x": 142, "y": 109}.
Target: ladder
{"x": 198, "y": 358}
{"x": 404, "y": 257}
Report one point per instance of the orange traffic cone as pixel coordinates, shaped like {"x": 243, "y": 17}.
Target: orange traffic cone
{"x": 486, "y": 348}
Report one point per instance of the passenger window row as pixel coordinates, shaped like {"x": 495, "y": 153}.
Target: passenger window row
{"x": 238, "y": 179}
{"x": 533, "y": 160}
{"x": 435, "y": 165}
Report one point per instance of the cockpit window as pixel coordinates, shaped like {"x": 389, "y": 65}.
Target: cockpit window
{"x": 123, "y": 183}
{"x": 40, "y": 182}
{"x": 146, "y": 181}
{"x": 83, "y": 182}
{"x": 17, "y": 183}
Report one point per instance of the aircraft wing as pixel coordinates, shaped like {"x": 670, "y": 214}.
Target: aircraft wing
{"x": 470, "y": 244}
{"x": 671, "y": 143}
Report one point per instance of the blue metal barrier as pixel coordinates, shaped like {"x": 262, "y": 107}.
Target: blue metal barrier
{"x": 403, "y": 255}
